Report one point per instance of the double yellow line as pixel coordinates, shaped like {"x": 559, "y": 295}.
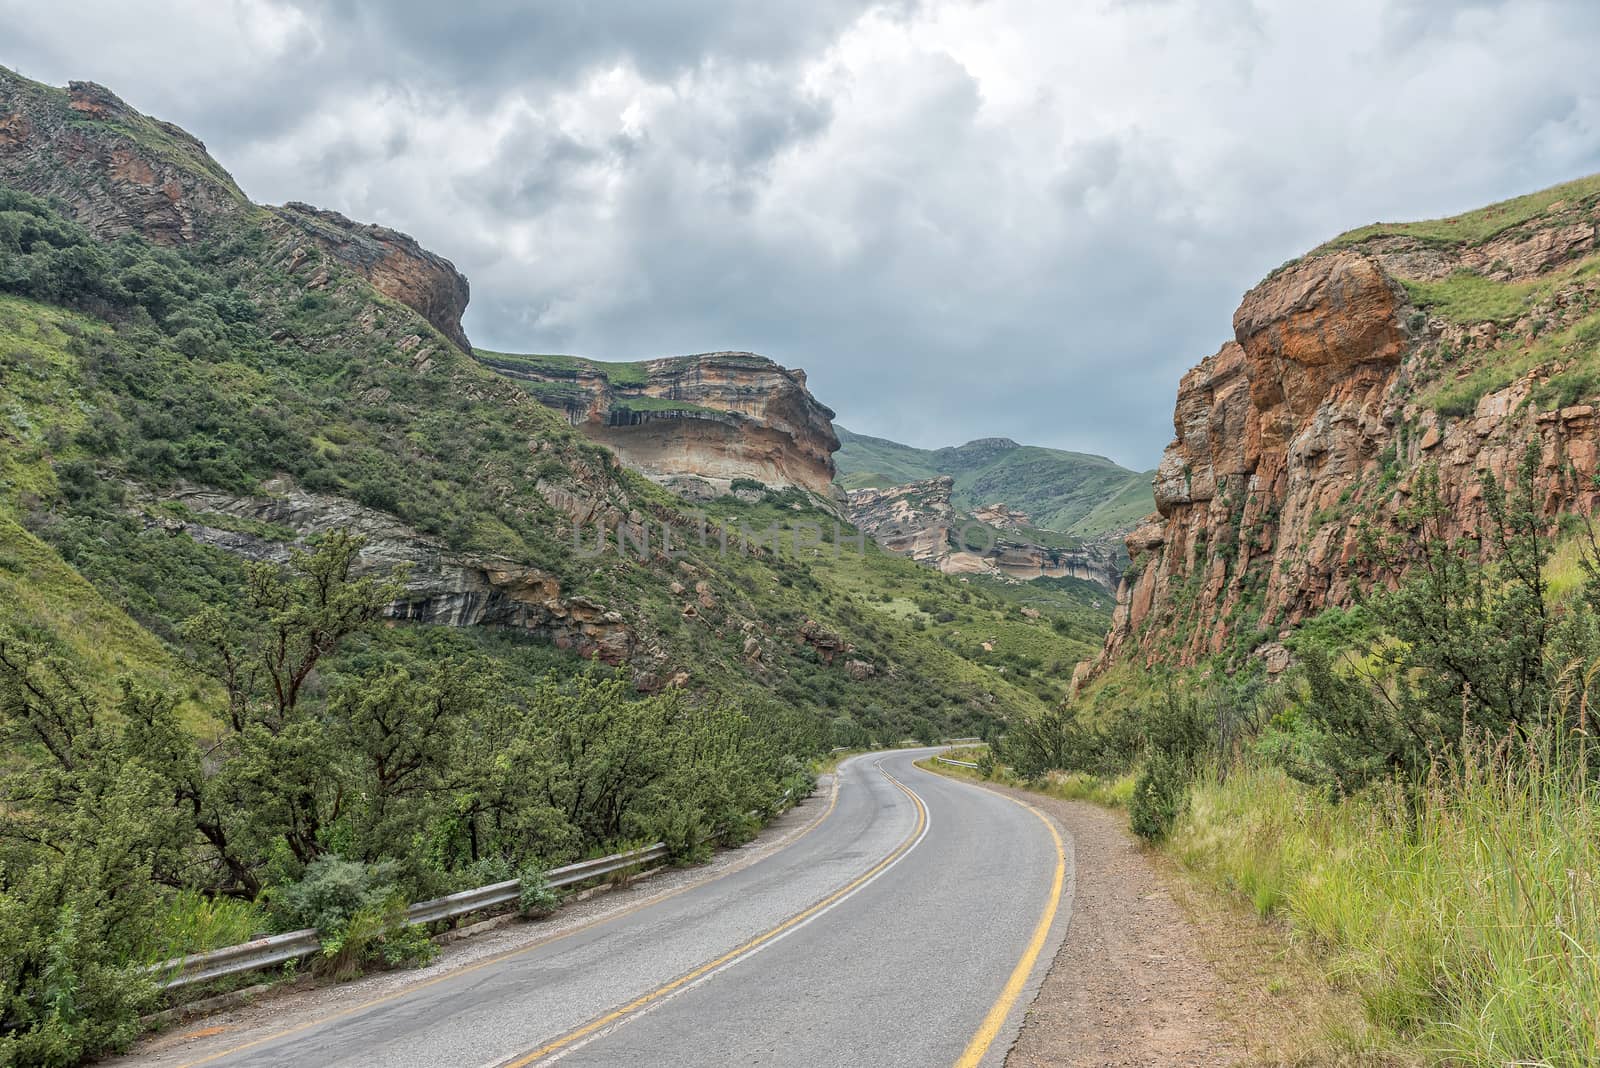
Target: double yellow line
{"x": 644, "y": 1001}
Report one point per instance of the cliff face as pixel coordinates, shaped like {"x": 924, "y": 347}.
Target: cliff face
{"x": 393, "y": 262}
{"x": 442, "y": 587}
{"x": 1390, "y": 349}
{"x": 717, "y": 416}
{"x": 117, "y": 171}
{"x": 918, "y": 520}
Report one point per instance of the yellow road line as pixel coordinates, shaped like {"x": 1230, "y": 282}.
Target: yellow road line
{"x": 412, "y": 988}
{"x": 645, "y": 1000}
{"x": 989, "y": 1030}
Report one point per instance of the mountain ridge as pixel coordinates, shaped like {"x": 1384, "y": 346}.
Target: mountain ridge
{"x": 997, "y": 470}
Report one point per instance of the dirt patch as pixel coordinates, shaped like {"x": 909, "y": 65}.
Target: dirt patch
{"x": 1131, "y": 985}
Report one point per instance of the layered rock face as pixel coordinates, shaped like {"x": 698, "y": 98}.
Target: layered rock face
{"x": 117, "y": 172}
{"x": 441, "y": 587}
{"x": 918, "y": 520}
{"x": 393, "y": 262}
{"x": 1349, "y": 372}
{"x": 718, "y": 416}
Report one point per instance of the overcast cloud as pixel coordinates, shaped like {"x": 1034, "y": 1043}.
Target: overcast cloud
{"x": 962, "y": 217}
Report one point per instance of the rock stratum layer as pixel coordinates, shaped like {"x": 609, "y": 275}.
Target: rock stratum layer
{"x": 444, "y": 587}
{"x": 717, "y": 416}
{"x": 117, "y": 171}
{"x": 918, "y": 520}
{"x": 1449, "y": 345}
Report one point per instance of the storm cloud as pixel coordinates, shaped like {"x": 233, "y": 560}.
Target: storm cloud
{"x": 1003, "y": 217}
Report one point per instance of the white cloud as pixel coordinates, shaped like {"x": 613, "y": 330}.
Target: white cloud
{"x": 963, "y": 218}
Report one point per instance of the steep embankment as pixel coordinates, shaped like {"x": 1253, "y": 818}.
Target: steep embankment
{"x": 696, "y": 423}
{"x": 1447, "y": 345}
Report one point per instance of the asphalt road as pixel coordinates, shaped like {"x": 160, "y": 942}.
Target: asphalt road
{"x": 910, "y": 926}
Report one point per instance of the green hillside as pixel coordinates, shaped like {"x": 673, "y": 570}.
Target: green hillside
{"x": 1071, "y": 492}
{"x": 203, "y": 697}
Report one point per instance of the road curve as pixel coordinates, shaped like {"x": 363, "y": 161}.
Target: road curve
{"x": 910, "y": 926}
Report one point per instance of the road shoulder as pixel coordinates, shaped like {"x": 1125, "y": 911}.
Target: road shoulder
{"x": 1131, "y": 984}
{"x": 1160, "y": 968}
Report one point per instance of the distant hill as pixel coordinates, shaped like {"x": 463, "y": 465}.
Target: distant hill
{"x": 1072, "y": 492}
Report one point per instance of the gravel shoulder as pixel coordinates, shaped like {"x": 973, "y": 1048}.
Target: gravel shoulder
{"x": 1160, "y": 968}
{"x": 1131, "y": 984}
{"x": 308, "y": 999}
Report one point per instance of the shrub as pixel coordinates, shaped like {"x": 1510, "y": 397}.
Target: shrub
{"x": 359, "y": 915}
{"x": 333, "y": 890}
{"x": 1158, "y": 796}
{"x": 537, "y": 897}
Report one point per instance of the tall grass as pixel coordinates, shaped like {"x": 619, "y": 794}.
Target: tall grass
{"x": 195, "y": 923}
{"x": 1465, "y": 913}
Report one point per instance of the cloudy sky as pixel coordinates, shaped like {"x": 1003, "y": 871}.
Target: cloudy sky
{"x": 962, "y": 217}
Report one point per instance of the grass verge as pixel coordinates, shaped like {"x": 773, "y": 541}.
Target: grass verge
{"x": 1467, "y": 923}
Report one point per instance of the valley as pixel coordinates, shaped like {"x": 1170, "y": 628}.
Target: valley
{"x": 312, "y": 610}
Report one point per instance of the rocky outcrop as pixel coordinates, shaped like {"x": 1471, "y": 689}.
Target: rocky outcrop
{"x": 442, "y": 587}
{"x": 1332, "y": 396}
{"x": 917, "y": 520}
{"x": 393, "y": 262}
{"x": 717, "y": 416}
{"x": 117, "y": 171}
{"x": 114, "y": 170}
{"x": 913, "y": 520}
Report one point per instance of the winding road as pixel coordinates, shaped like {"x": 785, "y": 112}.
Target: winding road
{"x": 909, "y": 925}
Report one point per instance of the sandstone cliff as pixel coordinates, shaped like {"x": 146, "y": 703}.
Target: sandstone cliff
{"x": 717, "y": 416}
{"x": 117, "y": 171}
{"x": 1452, "y": 343}
{"x": 918, "y": 520}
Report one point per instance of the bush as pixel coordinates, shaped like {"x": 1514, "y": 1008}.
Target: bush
{"x": 1158, "y": 796}
{"x": 376, "y": 935}
{"x": 537, "y": 897}
{"x": 358, "y": 913}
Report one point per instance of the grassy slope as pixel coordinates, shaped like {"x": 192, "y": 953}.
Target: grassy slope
{"x": 1539, "y": 320}
{"x": 41, "y": 400}
{"x": 864, "y": 461}
{"x": 618, "y": 374}
{"x": 447, "y": 452}
{"x": 1062, "y": 491}
{"x": 1474, "y": 226}
{"x": 932, "y": 627}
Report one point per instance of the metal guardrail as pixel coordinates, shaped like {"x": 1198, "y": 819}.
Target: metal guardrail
{"x": 956, "y": 763}
{"x": 276, "y": 949}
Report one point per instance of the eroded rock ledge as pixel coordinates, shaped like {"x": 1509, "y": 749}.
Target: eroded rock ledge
{"x": 918, "y": 520}
{"x": 441, "y": 586}
{"x": 718, "y": 416}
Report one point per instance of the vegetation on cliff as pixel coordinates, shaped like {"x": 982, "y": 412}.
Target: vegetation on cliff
{"x": 1420, "y": 796}
{"x": 1396, "y": 349}
{"x": 1352, "y": 675}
